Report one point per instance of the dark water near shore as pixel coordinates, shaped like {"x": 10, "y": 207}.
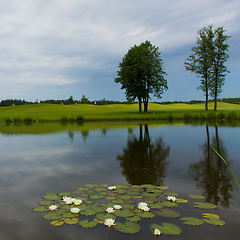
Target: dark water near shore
{"x": 34, "y": 162}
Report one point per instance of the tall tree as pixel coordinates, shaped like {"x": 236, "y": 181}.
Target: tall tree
{"x": 200, "y": 61}
{"x": 219, "y": 57}
{"x": 207, "y": 61}
{"x": 141, "y": 73}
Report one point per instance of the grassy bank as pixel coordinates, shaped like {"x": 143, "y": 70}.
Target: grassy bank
{"x": 116, "y": 112}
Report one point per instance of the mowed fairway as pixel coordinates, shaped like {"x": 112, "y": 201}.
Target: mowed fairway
{"x": 54, "y": 112}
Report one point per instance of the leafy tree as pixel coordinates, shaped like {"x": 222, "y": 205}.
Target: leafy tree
{"x": 207, "y": 61}
{"x": 141, "y": 73}
{"x": 84, "y": 99}
{"x": 103, "y": 101}
{"x": 200, "y": 61}
{"x": 219, "y": 57}
{"x": 70, "y": 100}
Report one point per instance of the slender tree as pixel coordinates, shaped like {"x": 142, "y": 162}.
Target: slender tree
{"x": 200, "y": 61}
{"x": 219, "y": 57}
{"x": 141, "y": 73}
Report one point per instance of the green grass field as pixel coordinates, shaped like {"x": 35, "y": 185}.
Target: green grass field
{"x": 117, "y": 112}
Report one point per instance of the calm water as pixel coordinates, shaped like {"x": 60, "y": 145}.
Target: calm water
{"x": 35, "y": 161}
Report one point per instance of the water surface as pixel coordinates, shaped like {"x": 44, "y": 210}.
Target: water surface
{"x": 37, "y": 159}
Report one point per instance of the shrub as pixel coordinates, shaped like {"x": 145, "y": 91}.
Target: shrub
{"x": 187, "y": 116}
{"x": 8, "y": 120}
{"x": 27, "y": 120}
{"x": 201, "y": 116}
{"x": 64, "y": 119}
{"x": 221, "y": 115}
{"x": 211, "y": 115}
{"x": 79, "y": 119}
{"x": 231, "y": 115}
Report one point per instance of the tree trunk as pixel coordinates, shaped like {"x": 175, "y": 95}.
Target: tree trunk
{"x": 140, "y": 104}
{"x": 215, "y": 91}
{"x": 146, "y": 105}
{"x": 206, "y": 101}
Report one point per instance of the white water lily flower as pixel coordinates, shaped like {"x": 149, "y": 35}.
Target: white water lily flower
{"x": 110, "y": 210}
{"x": 142, "y": 205}
{"x": 157, "y": 232}
{"x": 109, "y": 222}
{"x": 117, "y": 207}
{"x": 169, "y": 198}
{"x": 112, "y": 188}
{"x": 66, "y": 198}
{"x": 75, "y": 210}
{"x": 145, "y": 209}
{"x": 78, "y": 202}
{"x": 53, "y": 207}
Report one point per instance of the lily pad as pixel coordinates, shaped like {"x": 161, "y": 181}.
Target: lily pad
{"x": 51, "y": 216}
{"x": 216, "y": 222}
{"x": 90, "y": 185}
{"x": 179, "y": 200}
{"x": 70, "y": 215}
{"x": 83, "y": 189}
{"x": 172, "y": 194}
{"x": 162, "y": 187}
{"x": 155, "y": 205}
{"x": 124, "y": 213}
{"x": 211, "y": 216}
{"x": 103, "y": 216}
{"x": 128, "y": 227}
{"x": 51, "y": 197}
{"x": 71, "y": 221}
{"x": 95, "y": 196}
{"x": 87, "y": 224}
{"x": 97, "y": 208}
{"x": 63, "y": 194}
{"x": 167, "y": 213}
{"x": 117, "y": 201}
{"x": 192, "y": 221}
{"x": 40, "y": 209}
{"x": 134, "y": 218}
{"x": 204, "y": 205}
{"x": 146, "y": 214}
{"x": 100, "y": 189}
{"x": 148, "y": 186}
{"x": 135, "y": 186}
{"x": 57, "y": 223}
{"x": 167, "y": 228}
{"x": 103, "y": 193}
{"x": 150, "y": 194}
{"x": 194, "y": 196}
{"x": 168, "y": 204}
{"x": 128, "y": 206}
{"x": 89, "y": 212}
{"x": 122, "y": 186}
{"x": 120, "y": 191}
{"x": 124, "y": 197}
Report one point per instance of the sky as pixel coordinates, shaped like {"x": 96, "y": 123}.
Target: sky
{"x": 54, "y": 49}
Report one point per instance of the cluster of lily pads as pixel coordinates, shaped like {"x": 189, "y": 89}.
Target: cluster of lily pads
{"x": 121, "y": 207}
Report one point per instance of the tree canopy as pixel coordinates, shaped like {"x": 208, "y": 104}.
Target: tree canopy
{"x": 141, "y": 73}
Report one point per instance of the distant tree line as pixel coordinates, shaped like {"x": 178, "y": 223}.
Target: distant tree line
{"x": 10, "y": 102}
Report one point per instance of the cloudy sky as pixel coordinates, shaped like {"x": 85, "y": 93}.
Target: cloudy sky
{"x": 52, "y": 49}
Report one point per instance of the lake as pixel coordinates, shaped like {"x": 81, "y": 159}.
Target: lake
{"x": 52, "y": 158}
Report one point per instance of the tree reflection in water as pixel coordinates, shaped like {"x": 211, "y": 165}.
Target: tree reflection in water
{"x": 211, "y": 172}
{"x": 144, "y": 161}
